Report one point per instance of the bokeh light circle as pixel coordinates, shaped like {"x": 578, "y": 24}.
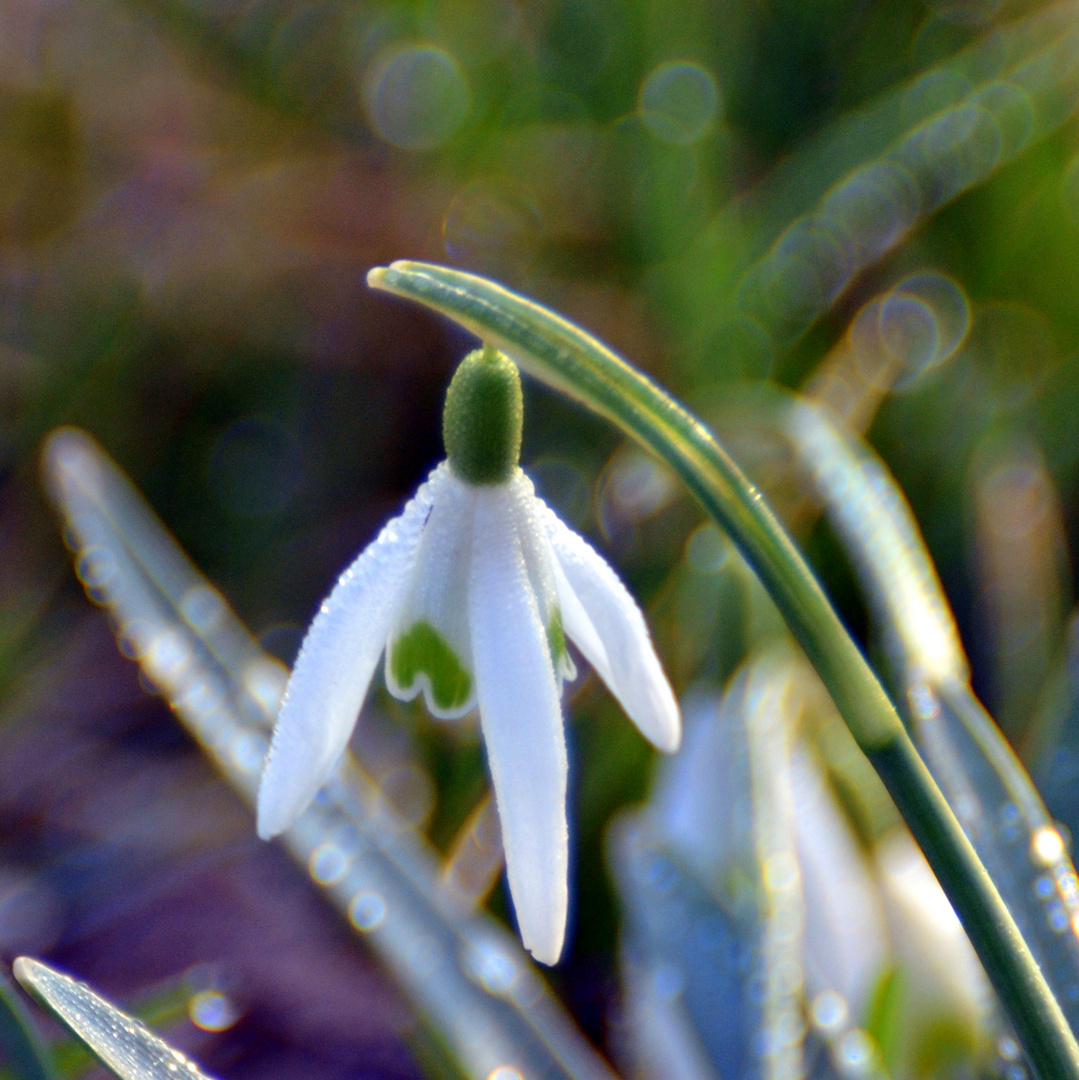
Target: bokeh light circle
{"x": 492, "y": 222}
{"x": 950, "y": 310}
{"x": 809, "y": 264}
{"x": 707, "y": 550}
{"x": 950, "y": 153}
{"x": 872, "y": 208}
{"x": 678, "y": 102}
{"x": 211, "y": 1010}
{"x": 908, "y": 331}
{"x": 505, "y": 1072}
{"x": 1012, "y": 108}
{"x": 367, "y": 911}
{"x": 914, "y": 327}
{"x": 416, "y": 96}
{"x": 931, "y": 94}
{"x": 256, "y": 468}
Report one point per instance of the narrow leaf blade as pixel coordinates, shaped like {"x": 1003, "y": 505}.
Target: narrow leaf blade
{"x": 120, "y": 1042}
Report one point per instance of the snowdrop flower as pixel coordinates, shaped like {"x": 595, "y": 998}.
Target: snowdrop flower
{"x": 471, "y": 594}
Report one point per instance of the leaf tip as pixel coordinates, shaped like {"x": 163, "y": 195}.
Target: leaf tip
{"x": 23, "y": 970}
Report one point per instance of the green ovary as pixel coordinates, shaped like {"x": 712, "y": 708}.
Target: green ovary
{"x": 481, "y": 424}
{"x": 424, "y": 651}
{"x": 556, "y": 637}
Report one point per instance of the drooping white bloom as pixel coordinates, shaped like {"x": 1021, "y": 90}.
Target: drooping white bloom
{"x": 470, "y": 594}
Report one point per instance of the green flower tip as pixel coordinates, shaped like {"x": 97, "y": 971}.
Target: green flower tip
{"x": 481, "y": 424}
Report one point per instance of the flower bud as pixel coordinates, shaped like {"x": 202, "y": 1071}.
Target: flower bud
{"x": 481, "y": 423}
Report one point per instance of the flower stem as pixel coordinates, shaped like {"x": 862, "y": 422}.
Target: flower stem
{"x": 564, "y": 356}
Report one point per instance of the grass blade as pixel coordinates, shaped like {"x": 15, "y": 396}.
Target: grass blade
{"x": 994, "y": 797}
{"x": 120, "y": 1042}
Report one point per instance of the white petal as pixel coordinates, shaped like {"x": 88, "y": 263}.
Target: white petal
{"x": 628, "y": 665}
{"x": 429, "y": 647}
{"x": 540, "y": 563}
{"x": 576, "y": 623}
{"x": 333, "y": 671}
{"x": 522, "y": 724}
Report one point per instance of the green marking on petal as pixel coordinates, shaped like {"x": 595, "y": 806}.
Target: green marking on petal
{"x": 556, "y": 638}
{"x": 422, "y": 650}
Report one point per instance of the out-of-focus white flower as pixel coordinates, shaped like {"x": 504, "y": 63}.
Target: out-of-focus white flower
{"x": 471, "y": 594}
{"x": 946, "y": 987}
